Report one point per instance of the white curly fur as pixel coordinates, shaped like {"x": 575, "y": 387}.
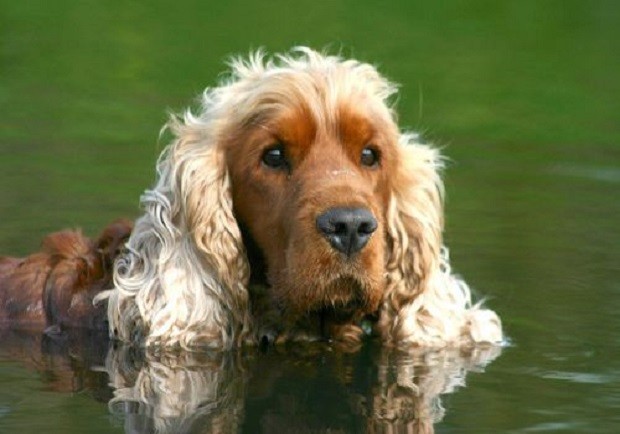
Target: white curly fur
{"x": 183, "y": 281}
{"x": 426, "y": 304}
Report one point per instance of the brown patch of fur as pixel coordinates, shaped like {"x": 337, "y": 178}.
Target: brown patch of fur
{"x": 55, "y": 287}
{"x": 313, "y": 289}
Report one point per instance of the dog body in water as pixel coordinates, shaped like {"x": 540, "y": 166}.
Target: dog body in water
{"x": 291, "y": 207}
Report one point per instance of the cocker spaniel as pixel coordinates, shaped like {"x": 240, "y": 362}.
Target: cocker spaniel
{"x": 291, "y": 207}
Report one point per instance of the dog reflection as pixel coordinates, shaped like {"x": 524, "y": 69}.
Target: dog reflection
{"x": 314, "y": 390}
{"x": 302, "y": 388}
{"x": 176, "y": 393}
{"x": 406, "y": 396}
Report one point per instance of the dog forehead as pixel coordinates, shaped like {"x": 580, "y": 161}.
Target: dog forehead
{"x": 297, "y": 127}
{"x": 355, "y": 124}
{"x": 301, "y": 103}
{"x": 312, "y": 114}
{"x": 301, "y": 127}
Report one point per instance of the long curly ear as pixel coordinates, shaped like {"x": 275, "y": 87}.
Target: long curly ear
{"x": 183, "y": 280}
{"x": 425, "y": 304}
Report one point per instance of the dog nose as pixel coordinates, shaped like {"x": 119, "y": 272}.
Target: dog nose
{"x": 347, "y": 229}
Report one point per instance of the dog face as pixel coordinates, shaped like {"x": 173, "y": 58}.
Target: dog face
{"x": 312, "y": 191}
{"x": 311, "y": 184}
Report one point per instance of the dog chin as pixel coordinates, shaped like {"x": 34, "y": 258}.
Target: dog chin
{"x": 342, "y": 297}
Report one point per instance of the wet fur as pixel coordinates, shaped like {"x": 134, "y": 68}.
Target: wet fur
{"x": 228, "y": 251}
{"x": 54, "y": 288}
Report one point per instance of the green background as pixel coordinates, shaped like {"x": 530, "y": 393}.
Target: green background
{"x": 523, "y": 97}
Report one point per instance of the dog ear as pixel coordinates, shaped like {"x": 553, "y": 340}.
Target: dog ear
{"x": 183, "y": 280}
{"x": 425, "y": 304}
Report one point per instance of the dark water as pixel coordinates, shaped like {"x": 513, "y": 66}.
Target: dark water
{"x": 524, "y": 98}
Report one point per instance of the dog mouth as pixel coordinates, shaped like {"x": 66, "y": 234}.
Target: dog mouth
{"x": 339, "y": 313}
{"x": 321, "y": 311}
{"x": 331, "y": 320}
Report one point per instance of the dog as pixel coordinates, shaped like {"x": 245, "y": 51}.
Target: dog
{"x": 291, "y": 207}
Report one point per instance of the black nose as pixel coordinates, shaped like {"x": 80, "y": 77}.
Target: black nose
{"x": 347, "y": 229}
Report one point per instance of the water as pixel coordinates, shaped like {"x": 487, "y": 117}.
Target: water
{"x": 522, "y": 96}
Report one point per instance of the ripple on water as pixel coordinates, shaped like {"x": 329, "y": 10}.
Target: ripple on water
{"x": 552, "y": 427}
{"x": 575, "y": 377}
{"x": 597, "y": 173}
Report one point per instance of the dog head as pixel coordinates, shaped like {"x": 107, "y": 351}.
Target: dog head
{"x": 310, "y": 161}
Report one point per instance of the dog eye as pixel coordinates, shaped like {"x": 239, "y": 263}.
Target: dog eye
{"x": 370, "y": 157}
{"x": 275, "y": 158}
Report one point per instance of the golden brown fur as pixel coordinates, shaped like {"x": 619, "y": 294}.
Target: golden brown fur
{"x": 229, "y": 248}
{"x": 289, "y": 207}
{"x": 55, "y": 287}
